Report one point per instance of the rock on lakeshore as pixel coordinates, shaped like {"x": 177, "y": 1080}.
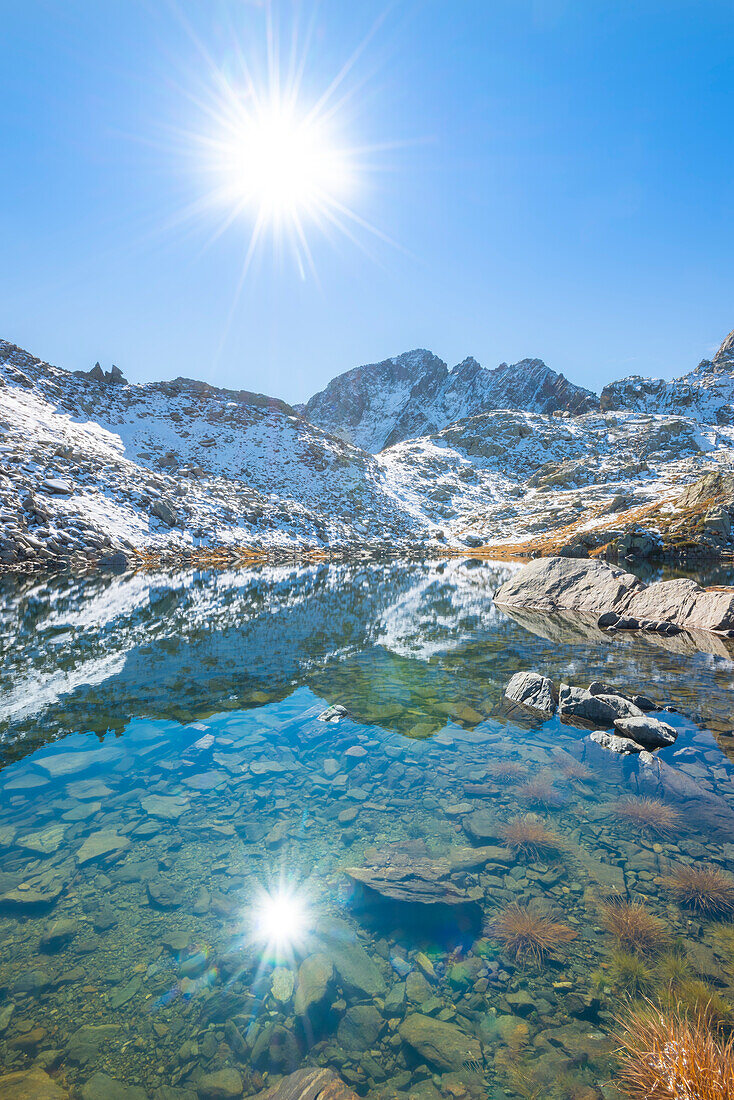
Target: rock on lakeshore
{"x": 550, "y": 584}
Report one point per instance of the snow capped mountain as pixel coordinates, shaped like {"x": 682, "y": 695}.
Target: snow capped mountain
{"x": 416, "y": 394}
{"x": 90, "y": 464}
{"x": 706, "y": 394}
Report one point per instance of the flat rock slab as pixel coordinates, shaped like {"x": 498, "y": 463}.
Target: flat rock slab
{"x": 43, "y": 841}
{"x": 657, "y": 779}
{"x": 441, "y": 1044}
{"x": 101, "y": 844}
{"x": 168, "y": 807}
{"x": 401, "y": 876}
{"x": 625, "y": 746}
{"x": 60, "y": 764}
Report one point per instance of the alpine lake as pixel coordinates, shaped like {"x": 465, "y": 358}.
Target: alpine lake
{"x": 205, "y": 885}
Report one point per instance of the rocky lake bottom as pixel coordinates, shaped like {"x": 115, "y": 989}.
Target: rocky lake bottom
{"x": 205, "y": 886}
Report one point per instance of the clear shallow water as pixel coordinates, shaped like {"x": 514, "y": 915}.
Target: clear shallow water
{"x": 134, "y": 862}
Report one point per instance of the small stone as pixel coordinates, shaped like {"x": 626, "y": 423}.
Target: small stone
{"x": 224, "y": 1084}
{"x": 281, "y": 984}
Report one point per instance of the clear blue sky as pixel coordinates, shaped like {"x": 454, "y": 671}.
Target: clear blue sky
{"x": 557, "y": 175}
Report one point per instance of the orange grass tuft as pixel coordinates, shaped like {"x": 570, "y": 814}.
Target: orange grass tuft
{"x": 705, "y": 889}
{"x": 647, "y": 813}
{"x": 529, "y": 837}
{"x": 666, "y": 1056}
{"x": 633, "y": 927}
{"x": 524, "y": 933}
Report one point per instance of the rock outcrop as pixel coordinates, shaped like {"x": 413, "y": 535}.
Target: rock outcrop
{"x": 551, "y": 584}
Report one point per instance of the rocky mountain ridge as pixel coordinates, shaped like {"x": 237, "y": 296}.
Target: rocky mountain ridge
{"x": 90, "y": 464}
{"x": 415, "y": 394}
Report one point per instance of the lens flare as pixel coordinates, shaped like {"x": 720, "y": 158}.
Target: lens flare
{"x": 281, "y": 920}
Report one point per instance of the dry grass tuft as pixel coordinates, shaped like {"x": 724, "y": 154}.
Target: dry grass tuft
{"x": 647, "y": 813}
{"x": 506, "y": 771}
{"x": 634, "y": 927}
{"x": 529, "y": 837}
{"x": 527, "y": 934}
{"x": 667, "y": 1056}
{"x": 704, "y": 889}
{"x": 540, "y": 792}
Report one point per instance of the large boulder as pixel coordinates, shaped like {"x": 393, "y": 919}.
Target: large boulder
{"x": 551, "y": 584}
{"x": 308, "y": 1084}
{"x": 602, "y": 709}
{"x": 441, "y": 1044}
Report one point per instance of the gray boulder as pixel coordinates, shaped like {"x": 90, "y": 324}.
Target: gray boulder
{"x": 646, "y": 731}
{"x": 533, "y": 690}
{"x": 440, "y": 1043}
{"x": 550, "y": 584}
{"x": 576, "y": 702}
{"x": 622, "y": 745}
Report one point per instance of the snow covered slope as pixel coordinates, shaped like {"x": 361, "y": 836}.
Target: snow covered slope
{"x": 504, "y": 475}
{"x": 90, "y": 464}
{"x": 415, "y": 394}
{"x": 86, "y": 465}
{"x": 706, "y": 394}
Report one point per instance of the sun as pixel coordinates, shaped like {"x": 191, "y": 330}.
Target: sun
{"x": 277, "y": 149}
{"x": 279, "y": 163}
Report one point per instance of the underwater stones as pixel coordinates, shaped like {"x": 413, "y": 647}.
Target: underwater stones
{"x": 614, "y": 743}
{"x": 660, "y": 780}
{"x": 86, "y": 1043}
{"x": 223, "y": 1084}
{"x": 281, "y": 984}
{"x": 33, "y": 893}
{"x": 533, "y": 690}
{"x": 61, "y": 764}
{"x": 88, "y": 789}
{"x": 6, "y": 1015}
{"x": 482, "y": 826}
{"x": 103, "y": 1087}
{"x": 125, "y": 992}
{"x": 163, "y": 894}
{"x": 30, "y": 1084}
{"x": 356, "y": 970}
{"x": 360, "y": 1027}
{"x": 331, "y": 767}
{"x": 469, "y": 859}
{"x": 168, "y": 807}
{"x": 100, "y": 844}
{"x": 647, "y": 731}
{"x": 417, "y": 989}
{"x": 441, "y": 1044}
{"x": 44, "y": 841}
{"x": 57, "y": 933}
{"x": 7, "y": 835}
{"x": 355, "y": 752}
{"x": 269, "y": 767}
{"x": 314, "y": 975}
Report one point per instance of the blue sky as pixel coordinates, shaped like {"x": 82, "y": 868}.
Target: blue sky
{"x": 555, "y": 178}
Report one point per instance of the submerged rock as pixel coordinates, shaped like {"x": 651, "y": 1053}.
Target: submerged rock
{"x": 224, "y": 1084}
{"x": 441, "y": 1044}
{"x": 314, "y": 975}
{"x": 308, "y": 1084}
{"x": 404, "y": 877}
{"x": 622, "y": 745}
{"x": 30, "y": 1084}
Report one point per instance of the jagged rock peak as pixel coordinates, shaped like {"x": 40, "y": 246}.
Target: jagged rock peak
{"x": 414, "y": 394}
